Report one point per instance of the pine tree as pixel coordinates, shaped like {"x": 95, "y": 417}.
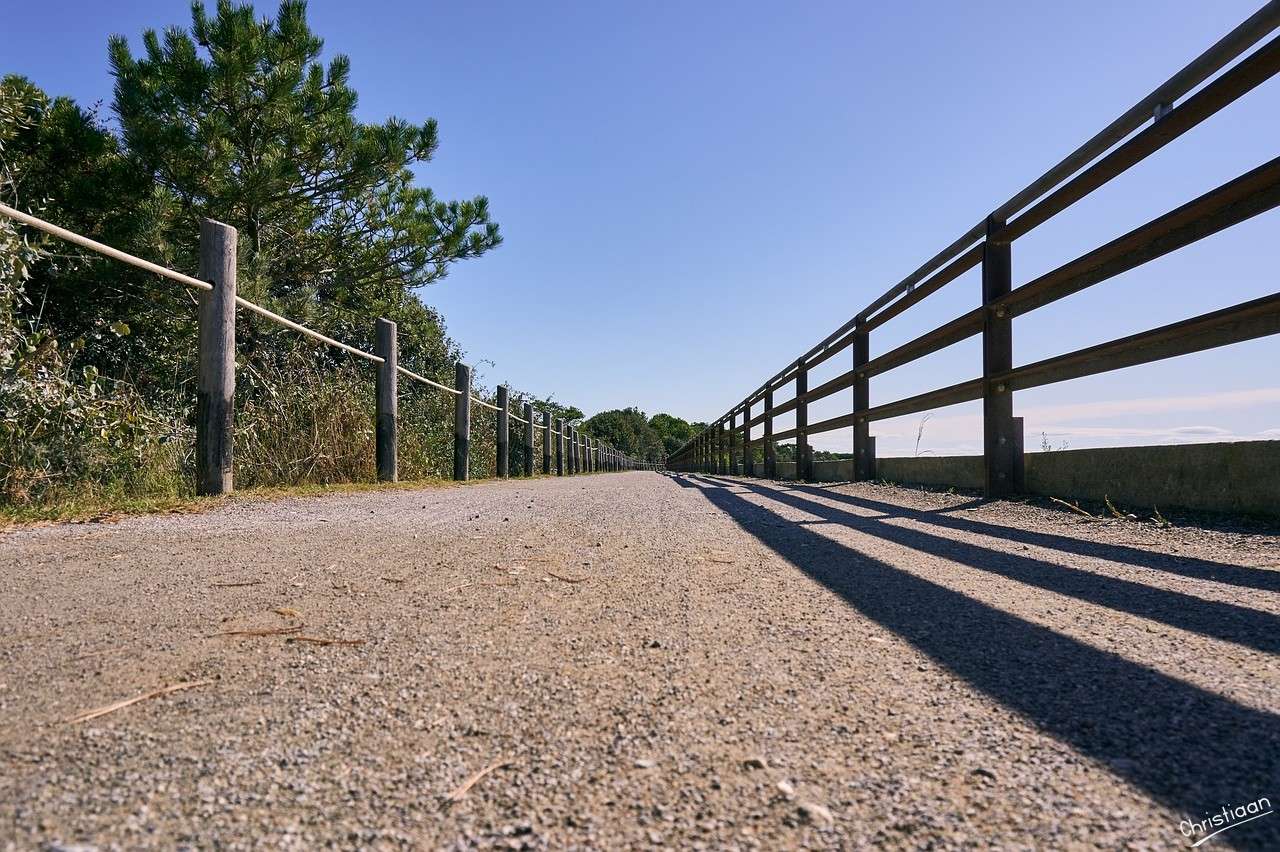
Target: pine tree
{"x": 240, "y": 122}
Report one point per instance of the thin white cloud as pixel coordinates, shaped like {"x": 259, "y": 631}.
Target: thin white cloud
{"x": 1200, "y": 430}
{"x": 1225, "y": 400}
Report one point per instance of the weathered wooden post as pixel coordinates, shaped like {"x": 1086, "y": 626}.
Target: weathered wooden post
{"x": 1001, "y": 431}
{"x": 726, "y": 448}
{"x": 559, "y": 446}
{"x": 504, "y": 432}
{"x": 385, "y": 390}
{"x": 804, "y": 471}
{"x": 748, "y": 459}
{"x": 770, "y": 448}
{"x": 546, "y": 442}
{"x": 216, "y": 360}
{"x": 571, "y": 450}
{"x": 462, "y": 423}
{"x": 732, "y": 441}
{"x": 864, "y": 446}
{"x": 528, "y": 439}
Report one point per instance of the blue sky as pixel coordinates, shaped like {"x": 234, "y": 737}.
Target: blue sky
{"x": 694, "y": 194}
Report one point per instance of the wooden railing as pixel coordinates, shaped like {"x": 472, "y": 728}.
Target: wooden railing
{"x": 215, "y": 286}
{"x": 989, "y": 245}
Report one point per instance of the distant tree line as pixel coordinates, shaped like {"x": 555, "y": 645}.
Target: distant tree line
{"x": 651, "y": 439}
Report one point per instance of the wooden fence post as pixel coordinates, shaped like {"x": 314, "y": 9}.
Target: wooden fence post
{"x": 386, "y": 348}
{"x": 559, "y": 446}
{"x": 1001, "y": 431}
{"x": 864, "y": 446}
{"x": 748, "y": 462}
{"x": 504, "y": 432}
{"x": 462, "y": 423}
{"x": 216, "y": 360}
{"x": 732, "y": 441}
{"x": 528, "y": 439}
{"x": 546, "y": 442}
{"x": 770, "y": 449}
{"x": 804, "y": 471}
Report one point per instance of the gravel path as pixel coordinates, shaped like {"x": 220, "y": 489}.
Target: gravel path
{"x": 641, "y": 660}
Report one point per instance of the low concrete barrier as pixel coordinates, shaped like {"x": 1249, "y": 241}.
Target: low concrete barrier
{"x": 1239, "y": 477}
{"x": 955, "y": 471}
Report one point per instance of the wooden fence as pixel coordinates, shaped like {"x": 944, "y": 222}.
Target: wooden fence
{"x": 989, "y": 245}
{"x": 215, "y": 285}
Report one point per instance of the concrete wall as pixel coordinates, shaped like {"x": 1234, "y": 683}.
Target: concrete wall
{"x": 1239, "y": 477}
{"x": 1242, "y": 476}
{"x": 957, "y": 471}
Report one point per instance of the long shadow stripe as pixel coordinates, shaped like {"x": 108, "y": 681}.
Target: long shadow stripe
{"x": 1200, "y": 569}
{"x": 1228, "y": 622}
{"x": 1189, "y": 748}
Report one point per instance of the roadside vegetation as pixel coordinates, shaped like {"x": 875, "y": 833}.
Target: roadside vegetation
{"x": 234, "y": 118}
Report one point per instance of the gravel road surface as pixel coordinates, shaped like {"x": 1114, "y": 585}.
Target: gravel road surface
{"x": 639, "y": 661}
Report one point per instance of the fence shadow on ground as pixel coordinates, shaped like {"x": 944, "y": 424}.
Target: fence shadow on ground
{"x": 1189, "y": 748}
{"x": 1200, "y": 569}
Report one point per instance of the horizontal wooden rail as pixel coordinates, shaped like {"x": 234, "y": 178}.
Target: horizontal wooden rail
{"x": 944, "y": 276}
{"x": 1246, "y": 321}
{"x": 958, "y": 329}
{"x": 1243, "y": 198}
{"x": 1240, "y": 80}
{"x": 950, "y": 395}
